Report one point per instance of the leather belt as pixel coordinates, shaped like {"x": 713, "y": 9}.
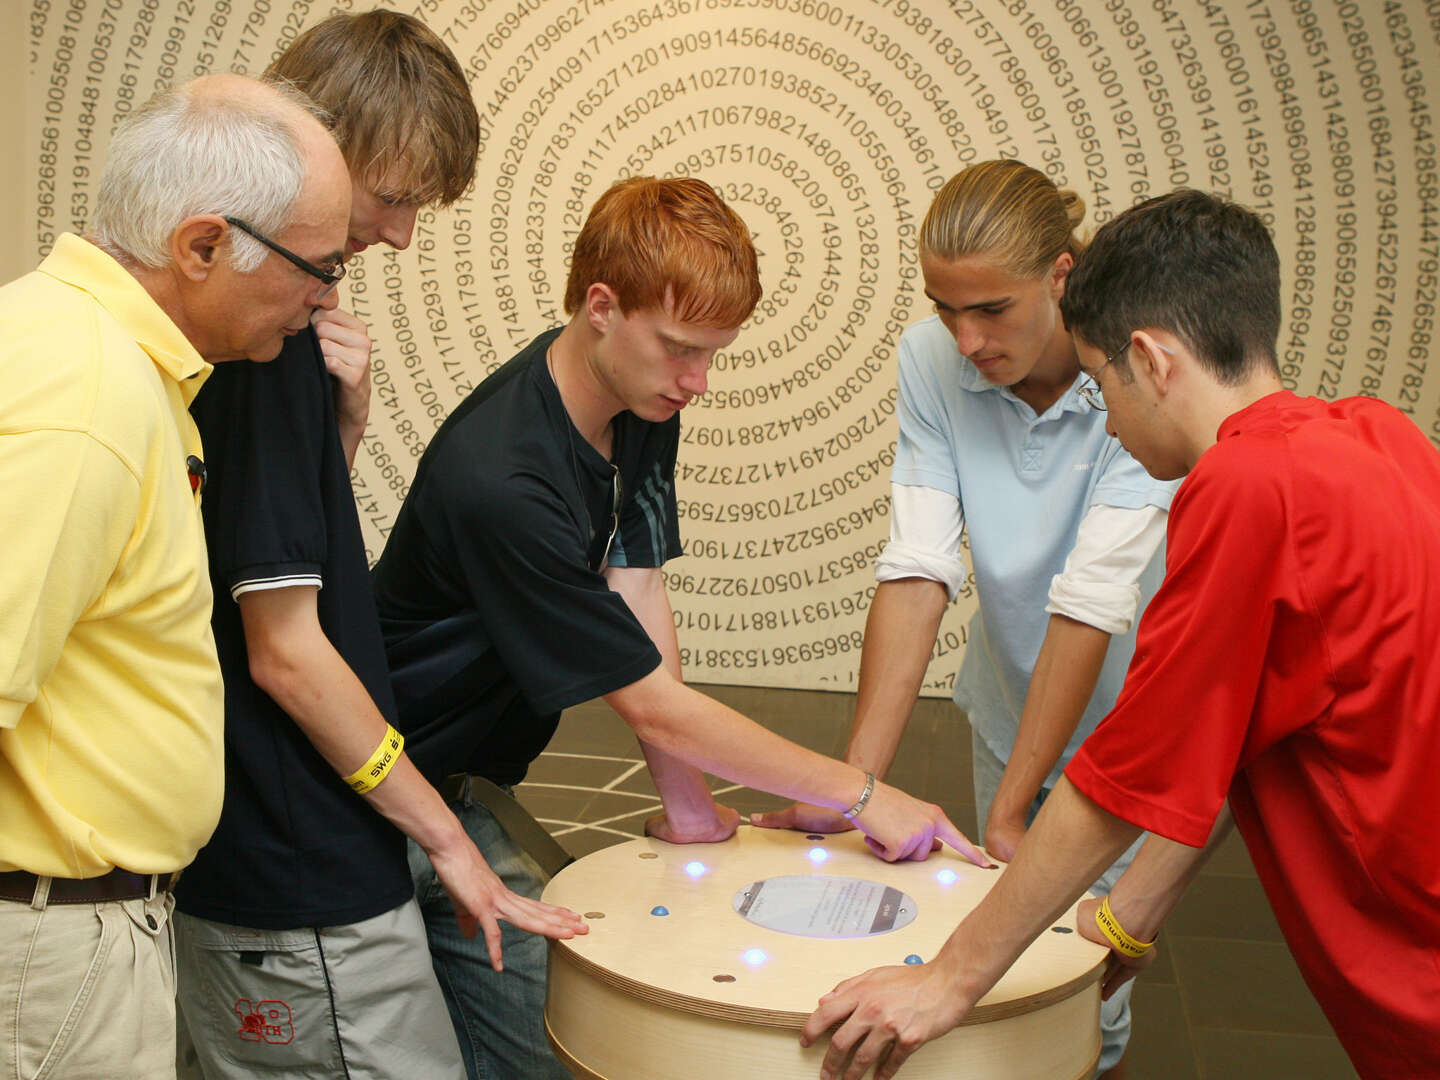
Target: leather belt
{"x": 452, "y": 788}
{"x": 523, "y": 829}
{"x": 116, "y": 885}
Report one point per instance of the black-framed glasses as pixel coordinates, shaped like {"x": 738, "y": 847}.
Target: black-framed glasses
{"x": 599, "y": 554}
{"x": 331, "y": 278}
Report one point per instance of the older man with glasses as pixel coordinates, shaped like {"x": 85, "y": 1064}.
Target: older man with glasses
{"x": 110, "y": 693}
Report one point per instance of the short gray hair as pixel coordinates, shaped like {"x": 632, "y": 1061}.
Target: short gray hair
{"x": 185, "y": 153}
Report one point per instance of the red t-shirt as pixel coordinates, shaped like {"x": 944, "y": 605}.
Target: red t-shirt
{"x": 1291, "y": 661}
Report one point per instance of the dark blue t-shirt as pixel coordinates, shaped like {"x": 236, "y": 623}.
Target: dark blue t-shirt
{"x": 494, "y": 617}
{"x": 295, "y": 846}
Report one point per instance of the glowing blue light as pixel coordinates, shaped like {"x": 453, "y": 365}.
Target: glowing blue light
{"x": 696, "y": 868}
{"x": 913, "y": 959}
{"x": 755, "y": 957}
{"x": 946, "y": 877}
{"x": 818, "y": 855}
{"x": 659, "y": 909}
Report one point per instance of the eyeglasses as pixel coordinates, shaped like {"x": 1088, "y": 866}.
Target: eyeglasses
{"x": 600, "y": 544}
{"x": 1090, "y": 389}
{"x": 330, "y": 277}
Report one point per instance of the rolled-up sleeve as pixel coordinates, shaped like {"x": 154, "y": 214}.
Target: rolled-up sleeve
{"x": 1100, "y": 583}
{"x": 925, "y": 527}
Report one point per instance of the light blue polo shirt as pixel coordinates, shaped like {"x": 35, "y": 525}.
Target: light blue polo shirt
{"x": 1024, "y": 482}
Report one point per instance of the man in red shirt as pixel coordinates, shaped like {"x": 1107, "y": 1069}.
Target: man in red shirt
{"x": 1288, "y": 664}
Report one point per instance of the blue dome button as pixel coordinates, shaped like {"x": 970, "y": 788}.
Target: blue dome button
{"x": 913, "y": 959}
{"x": 659, "y": 909}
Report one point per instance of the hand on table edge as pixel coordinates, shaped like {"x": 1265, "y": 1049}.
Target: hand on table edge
{"x": 1003, "y": 836}
{"x": 928, "y": 996}
{"x": 1119, "y": 968}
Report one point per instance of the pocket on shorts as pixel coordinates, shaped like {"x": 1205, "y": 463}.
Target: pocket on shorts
{"x": 256, "y": 1000}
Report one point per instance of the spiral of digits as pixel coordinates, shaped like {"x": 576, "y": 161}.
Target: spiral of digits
{"x": 828, "y": 125}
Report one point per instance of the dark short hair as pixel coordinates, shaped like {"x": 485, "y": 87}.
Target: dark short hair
{"x": 1188, "y": 263}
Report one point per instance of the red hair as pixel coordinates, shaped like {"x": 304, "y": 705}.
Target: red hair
{"x": 667, "y": 243}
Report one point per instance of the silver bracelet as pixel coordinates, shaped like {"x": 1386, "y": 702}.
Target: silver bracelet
{"x": 864, "y": 799}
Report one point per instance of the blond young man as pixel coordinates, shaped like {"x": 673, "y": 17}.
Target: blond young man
{"x": 110, "y": 697}
{"x": 301, "y": 948}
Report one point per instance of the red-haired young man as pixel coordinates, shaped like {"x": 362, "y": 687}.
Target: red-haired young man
{"x": 523, "y": 575}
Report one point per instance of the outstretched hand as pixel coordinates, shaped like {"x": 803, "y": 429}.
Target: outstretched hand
{"x": 803, "y": 817}
{"x": 897, "y": 826}
{"x": 481, "y": 900}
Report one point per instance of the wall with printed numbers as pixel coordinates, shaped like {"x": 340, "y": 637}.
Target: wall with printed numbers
{"x": 828, "y": 124}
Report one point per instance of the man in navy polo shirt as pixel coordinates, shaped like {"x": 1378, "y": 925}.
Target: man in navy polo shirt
{"x": 301, "y": 951}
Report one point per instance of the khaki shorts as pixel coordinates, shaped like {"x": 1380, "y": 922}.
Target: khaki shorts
{"x": 88, "y": 991}
{"x": 357, "y": 1000}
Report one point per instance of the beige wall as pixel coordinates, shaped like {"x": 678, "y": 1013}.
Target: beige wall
{"x": 828, "y": 124}
{"x": 16, "y": 256}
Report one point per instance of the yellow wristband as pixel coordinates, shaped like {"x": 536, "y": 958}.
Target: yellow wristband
{"x": 1115, "y": 933}
{"x": 368, "y": 776}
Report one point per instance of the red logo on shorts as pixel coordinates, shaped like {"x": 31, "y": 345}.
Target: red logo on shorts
{"x": 269, "y": 1021}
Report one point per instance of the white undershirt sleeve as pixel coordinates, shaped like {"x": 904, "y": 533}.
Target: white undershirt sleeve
{"x": 925, "y": 526}
{"x": 1099, "y": 583}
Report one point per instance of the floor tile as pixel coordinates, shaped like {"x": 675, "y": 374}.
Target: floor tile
{"x": 1162, "y": 971}
{"x": 1230, "y": 858}
{"x": 1160, "y": 1043}
{"x": 1245, "y": 986}
{"x": 1248, "y": 1055}
{"x": 593, "y": 728}
{"x": 1224, "y": 907}
{"x": 583, "y": 770}
{"x": 582, "y": 842}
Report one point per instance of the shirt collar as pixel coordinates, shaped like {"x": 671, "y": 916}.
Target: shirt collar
{"x": 80, "y": 263}
{"x": 1260, "y": 411}
{"x": 970, "y": 379}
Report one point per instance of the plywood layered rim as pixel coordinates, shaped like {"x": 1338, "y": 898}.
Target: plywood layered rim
{"x": 778, "y": 1018}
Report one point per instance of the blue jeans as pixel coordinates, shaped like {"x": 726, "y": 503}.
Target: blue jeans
{"x": 1115, "y": 1013}
{"x": 498, "y": 1017}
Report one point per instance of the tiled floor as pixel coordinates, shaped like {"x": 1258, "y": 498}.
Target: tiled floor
{"x": 1223, "y": 1002}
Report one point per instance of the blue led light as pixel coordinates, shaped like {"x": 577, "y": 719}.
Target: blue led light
{"x": 818, "y": 855}
{"x": 696, "y": 868}
{"x": 946, "y": 877}
{"x": 755, "y": 957}
{"x": 913, "y": 959}
{"x": 659, "y": 909}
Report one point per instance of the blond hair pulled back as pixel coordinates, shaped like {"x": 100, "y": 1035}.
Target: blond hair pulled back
{"x": 1005, "y": 210}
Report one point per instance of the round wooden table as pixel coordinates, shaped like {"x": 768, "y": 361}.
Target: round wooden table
{"x": 704, "y": 961}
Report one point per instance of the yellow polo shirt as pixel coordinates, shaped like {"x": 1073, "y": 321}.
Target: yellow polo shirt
{"x": 111, "y": 706}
